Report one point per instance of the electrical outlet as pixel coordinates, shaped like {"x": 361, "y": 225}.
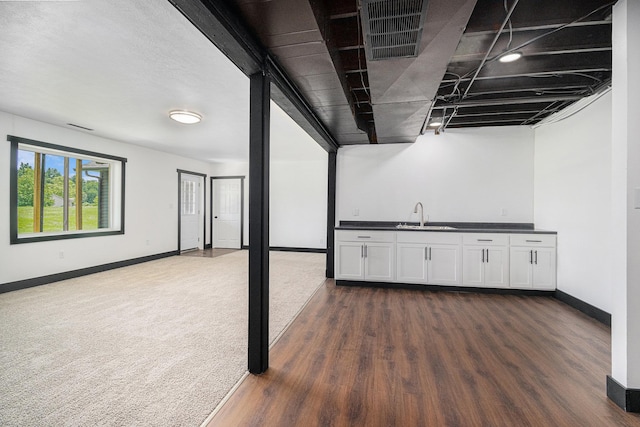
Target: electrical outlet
{"x": 356, "y": 212}
{"x": 504, "y": 212}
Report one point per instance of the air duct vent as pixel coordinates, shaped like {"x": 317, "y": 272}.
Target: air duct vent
{"x": 392, "y": 28}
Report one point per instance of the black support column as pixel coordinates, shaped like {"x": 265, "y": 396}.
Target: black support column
{"x": 259, "y": 223}
{"x": 331, "y": 213}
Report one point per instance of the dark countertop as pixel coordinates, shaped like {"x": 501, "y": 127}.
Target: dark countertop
{"x": 459, "y": 227}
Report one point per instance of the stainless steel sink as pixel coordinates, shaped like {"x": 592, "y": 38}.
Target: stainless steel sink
{"x": 424, "y": 227}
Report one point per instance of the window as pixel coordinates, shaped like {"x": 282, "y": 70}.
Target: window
{"x": 189, "y": 198}
{"x": 60, "y": 193}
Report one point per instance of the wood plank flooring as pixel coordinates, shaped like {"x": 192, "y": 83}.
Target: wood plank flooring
{"x": 394, "y": 357}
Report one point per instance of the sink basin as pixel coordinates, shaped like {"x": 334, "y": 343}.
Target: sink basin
{"x": 424, "y": 227}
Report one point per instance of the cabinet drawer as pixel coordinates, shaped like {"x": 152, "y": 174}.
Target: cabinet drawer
{"x": 546, "y": 240}
{"x": 428, "y": 237}
{"x": 365, "y": 236}
{"x": 486, "y": 239}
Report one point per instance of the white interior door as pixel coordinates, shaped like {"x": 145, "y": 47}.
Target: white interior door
{"x": 190, "y": 211}
{"x": 227, "y": 212}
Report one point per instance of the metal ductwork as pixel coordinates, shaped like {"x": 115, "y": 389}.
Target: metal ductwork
{"x": 392, "y": 29}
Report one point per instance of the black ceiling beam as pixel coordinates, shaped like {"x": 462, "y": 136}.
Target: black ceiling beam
{"x": 507, "y": 101}
{"x": 223, "y": 27}
{"x": 548, "y": 73}
{"x": 507, "y": 122}
{"x": 461, "y": 114}
{"x": 344, "y": 61}
{"x": 226, "y": 31}
{"x": 476, "y": 57}
{"x": 539, "y": 27}
{"x": 538, "y": 12}
{"x": 284, "y": 88}
{"x": 529, "y": 89}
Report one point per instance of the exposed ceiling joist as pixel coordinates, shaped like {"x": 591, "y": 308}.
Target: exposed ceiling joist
{"x": 321, "y": 44}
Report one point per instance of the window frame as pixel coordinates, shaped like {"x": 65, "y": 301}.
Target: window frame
{"x": 13, "y": 193}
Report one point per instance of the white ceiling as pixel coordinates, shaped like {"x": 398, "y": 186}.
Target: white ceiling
{"x": 119, "y": 67}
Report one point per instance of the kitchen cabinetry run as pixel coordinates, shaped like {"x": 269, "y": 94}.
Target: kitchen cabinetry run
{"x": 485, "y": 260}
{"x": 473, "y": 259}
{"x": 533, "y": 261}
{"x": 365, "y": 255}
{"x": 429, "y": 258}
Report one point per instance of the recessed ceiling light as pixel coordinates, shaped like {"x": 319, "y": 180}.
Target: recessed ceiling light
{"x": 510, "y": 57}
{"x": 186, "y": 117}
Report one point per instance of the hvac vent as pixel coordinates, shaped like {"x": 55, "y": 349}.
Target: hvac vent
{"x": 392, "y": 28}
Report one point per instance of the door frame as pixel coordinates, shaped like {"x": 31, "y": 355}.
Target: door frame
{"x": 203, "y": 195}
{"x": 241, "y": 178}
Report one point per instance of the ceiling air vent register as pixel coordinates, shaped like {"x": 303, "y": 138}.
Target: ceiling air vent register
{"x": 392, "y": 28}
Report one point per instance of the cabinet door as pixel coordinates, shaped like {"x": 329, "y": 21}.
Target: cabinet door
{"x": 521, "y": 265}
{"x": 544, "y": 268}
{"x": 411, "y": 266}
{"x": 472, "y": 266}
{"x": 445, "y": 266}
{"x": 496, "y": 267}
{"x": 379, "y": 260}
{"x": 349, "y": 261}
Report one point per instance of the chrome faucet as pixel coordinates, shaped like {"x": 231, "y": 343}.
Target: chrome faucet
{"x": 415, "y": 210}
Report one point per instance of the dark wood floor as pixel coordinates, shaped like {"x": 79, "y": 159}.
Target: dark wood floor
{"x": 391, "y": 357}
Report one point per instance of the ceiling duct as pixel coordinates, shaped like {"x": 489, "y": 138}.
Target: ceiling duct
{"x": 392, "y": 28}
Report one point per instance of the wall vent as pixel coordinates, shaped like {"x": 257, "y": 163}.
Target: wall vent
{"x": 392, "y": 28}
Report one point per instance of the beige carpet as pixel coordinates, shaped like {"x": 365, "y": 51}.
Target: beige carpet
{"x": 159, "y": 343}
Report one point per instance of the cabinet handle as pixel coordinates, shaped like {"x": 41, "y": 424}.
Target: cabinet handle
{"x": 362, "y": 251}
{"x": 485, "y": 240}
{"x": 531, "y": 257}
{"x": 429, "y": 254}
{"x": 426, "y": 254}
{"x": 534, "y": 241}
{"x": 483, "y": 255}
{"x": 536, "y": 257}
{"x": 487, "y": 255}
{"x": 364, "y": 237}
{"x": 365, "y": 251}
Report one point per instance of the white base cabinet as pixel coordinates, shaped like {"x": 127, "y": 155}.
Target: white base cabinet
{"x": 365, "y": 255}
{"x": 486, "y": 260}
{"x": 491, "y": 260}
{"x": 429, "y": 258}
{"x": 533, "y": 261}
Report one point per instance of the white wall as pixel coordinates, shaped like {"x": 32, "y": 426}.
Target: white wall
{"x": 297, "y": 197}
{"x": 298, "y": 214}
{"x": 573, "y": 197}
{"x": 298, "y": 191}
{"x": 298, "y": 186}
{"x": 625, "y": 203}
{"x": 151, "y": 211}
{"x": 461, "y": 175}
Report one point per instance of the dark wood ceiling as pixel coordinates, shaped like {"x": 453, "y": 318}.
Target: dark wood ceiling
{"x": 456, "y": 77}
{"x": 566, "y": 47}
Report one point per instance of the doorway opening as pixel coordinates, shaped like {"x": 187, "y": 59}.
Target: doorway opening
{"x": 191, "y": 210}
{"x": 227, "y": 212}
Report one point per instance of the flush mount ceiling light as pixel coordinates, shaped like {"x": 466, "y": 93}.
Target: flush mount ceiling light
{"x": 510, "y": 57}
{"x": 186, "y": 117}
